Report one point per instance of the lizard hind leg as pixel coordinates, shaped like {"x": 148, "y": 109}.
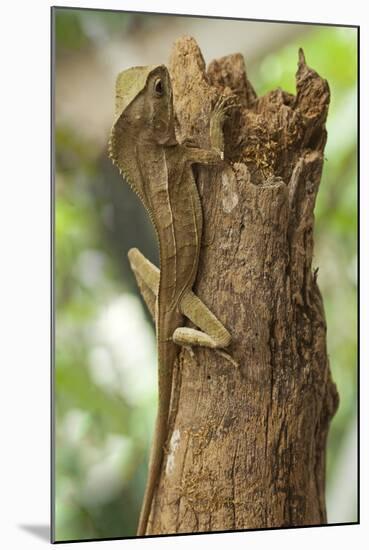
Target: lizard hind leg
{"x": 212, "y": 334}
{"x": 147, "y": 277}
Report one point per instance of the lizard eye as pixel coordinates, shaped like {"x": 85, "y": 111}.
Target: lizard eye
{"x": 158, "y": 87}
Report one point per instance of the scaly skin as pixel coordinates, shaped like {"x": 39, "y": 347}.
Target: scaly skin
{"x": 159, "y": 170}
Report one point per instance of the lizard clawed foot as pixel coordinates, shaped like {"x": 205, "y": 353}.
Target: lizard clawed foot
{"x": 190, "y": 142}
{"x": 224, "y": 104}
{"x": 190, "y": 350}
{"x": 226, "y": 356}
{"x": 221, "y": 110}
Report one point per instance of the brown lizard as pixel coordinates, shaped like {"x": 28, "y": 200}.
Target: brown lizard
{"x": 143, "y": 145}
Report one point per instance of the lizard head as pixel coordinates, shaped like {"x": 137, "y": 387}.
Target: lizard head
{"x": 144, "y": 104}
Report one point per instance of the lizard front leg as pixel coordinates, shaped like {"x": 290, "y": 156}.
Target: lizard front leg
{"x": 215, "y": 154}
{"x": 217, "y": 119}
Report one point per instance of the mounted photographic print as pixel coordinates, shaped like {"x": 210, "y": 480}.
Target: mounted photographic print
{"x": 205, "y": 275}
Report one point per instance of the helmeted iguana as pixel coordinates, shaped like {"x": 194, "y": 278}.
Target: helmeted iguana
{"x": 143, "y": 145}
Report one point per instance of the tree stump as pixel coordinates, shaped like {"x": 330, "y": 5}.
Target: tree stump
{"x": 247, "y": 443}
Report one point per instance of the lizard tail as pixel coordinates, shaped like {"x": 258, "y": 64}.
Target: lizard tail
{"x": 166, "y": 355}
{"x": 156, "y": 458}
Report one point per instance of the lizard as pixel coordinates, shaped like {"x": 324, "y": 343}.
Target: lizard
{"x": 158, "y": 168}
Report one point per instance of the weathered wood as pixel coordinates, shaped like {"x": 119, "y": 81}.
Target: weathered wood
{"x": 246, "y": 447}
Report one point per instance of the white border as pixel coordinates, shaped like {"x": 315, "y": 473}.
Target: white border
{"x": 24, "y": 285}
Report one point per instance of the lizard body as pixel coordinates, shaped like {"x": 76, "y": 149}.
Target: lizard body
{"x": 159, "y": 169}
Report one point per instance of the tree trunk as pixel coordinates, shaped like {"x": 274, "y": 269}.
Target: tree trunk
{"x": 246, "y": 447}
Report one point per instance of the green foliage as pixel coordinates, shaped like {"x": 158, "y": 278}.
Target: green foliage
{"x": 76, "y": 29}
{"x": 321, "y": 45}
{"x": 69, "y": 33}
{"x": 90, "y": 410}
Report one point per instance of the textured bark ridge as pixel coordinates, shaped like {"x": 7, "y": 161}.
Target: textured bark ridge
{"x": 246, "y": 448}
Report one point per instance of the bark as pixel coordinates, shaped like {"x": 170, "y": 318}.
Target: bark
{"x": 246, "y": 447}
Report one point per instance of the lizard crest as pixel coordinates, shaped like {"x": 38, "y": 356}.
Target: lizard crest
{"x": 143, "y": 113}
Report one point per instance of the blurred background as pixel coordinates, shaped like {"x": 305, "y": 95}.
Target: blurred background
{"x": 105, "y": 377}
